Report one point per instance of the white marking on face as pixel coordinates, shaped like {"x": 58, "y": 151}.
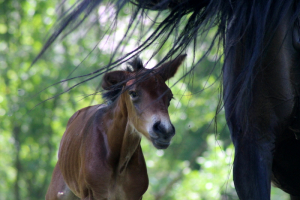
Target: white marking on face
{"x": 164, "y": 121}
{"x": 146, "y": 128}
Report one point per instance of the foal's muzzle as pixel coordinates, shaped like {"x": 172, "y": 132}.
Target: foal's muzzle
{"x": 161, "y": 135}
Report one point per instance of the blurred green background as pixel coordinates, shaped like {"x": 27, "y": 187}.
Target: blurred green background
{"x": 197, "y": 165}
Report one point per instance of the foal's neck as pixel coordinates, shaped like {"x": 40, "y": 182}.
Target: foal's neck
{"x": 122, "y": 138}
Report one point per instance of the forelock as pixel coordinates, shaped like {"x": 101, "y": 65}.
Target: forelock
{"x": 136, "y": 64}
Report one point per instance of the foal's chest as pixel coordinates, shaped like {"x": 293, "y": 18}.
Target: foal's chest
{"x": 133, "y": 181}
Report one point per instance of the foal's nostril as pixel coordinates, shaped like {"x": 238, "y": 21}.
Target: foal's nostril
{"x": 158, "y": 128}
{"x": 162, "y": 131}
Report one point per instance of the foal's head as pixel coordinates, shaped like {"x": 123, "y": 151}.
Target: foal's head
{"x": 147, "y": 98}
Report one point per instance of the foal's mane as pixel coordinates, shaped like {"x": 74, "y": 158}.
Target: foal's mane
{"x": 111, "y": 95}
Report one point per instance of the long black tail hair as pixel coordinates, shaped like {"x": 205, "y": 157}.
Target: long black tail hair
{"x": 259, "y": 19}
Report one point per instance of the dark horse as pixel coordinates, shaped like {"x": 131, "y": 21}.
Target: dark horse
{"x": 261, "y": 80}
{"x": 100, "y": 156}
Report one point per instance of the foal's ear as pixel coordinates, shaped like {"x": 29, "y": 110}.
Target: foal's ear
{"x": 168, "y": 69}
{"x": 112, "y": 78}
{"x": 296, "y": 34}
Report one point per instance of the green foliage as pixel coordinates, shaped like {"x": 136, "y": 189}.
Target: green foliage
{"x": 198, "y": 163}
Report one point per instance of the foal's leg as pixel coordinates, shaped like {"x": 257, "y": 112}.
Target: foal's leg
{"x": 58, "y": 189}
{"x": 252, "y": 167}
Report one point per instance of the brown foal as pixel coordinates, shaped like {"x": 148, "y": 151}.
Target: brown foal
{"x": 100, "y": 156}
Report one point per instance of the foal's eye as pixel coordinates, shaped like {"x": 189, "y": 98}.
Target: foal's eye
{"x": 133, "y": 94}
